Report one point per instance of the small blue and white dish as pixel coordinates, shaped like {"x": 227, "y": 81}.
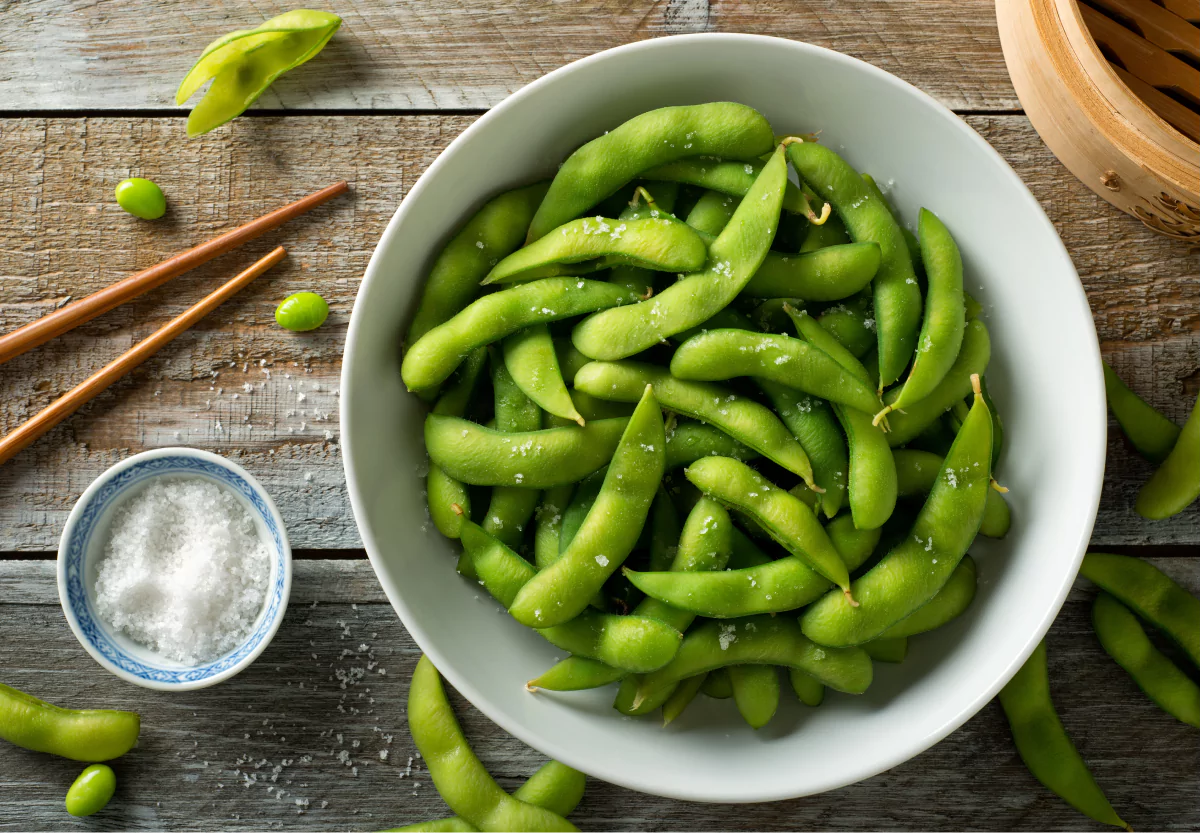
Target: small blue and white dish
{"x": 82, "y": 545}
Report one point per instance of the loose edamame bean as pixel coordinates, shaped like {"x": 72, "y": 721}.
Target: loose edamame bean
{"x": 1123, "y": 638}
{"x": 448, "y": 499}
{"x": 895, "y": 294}
{"x": 882, "y": 649}
{"x": 511, "y": 507}
{"x": 954, "y": 598}
{"x": 828, "y": 274}
{"x": 1151, "y": 433}
{"x": 689, "y": 441}
{"x": 483, "y": 456}
{"x": 917, "y": 472}
{"x": 493, "y": 232}
{"x": 531, "y": 360}
{"x": 756, "y": 693}
{"x": 913, "y": 572}
{"x": 808, "y": 690}
{"x": 1177, "y": 482}
{"x": 78, "y": 734}
{"x": 602, "y": 166}
{"x": 141, "y": 198}
{"x": 458, "y": 775}
{"x": 1043, "y": 744}
{"x": 561, "y": 591}
{"x": 91, "y": 791}
{"x": 745, "y": 420}
{"x": 812, "y": 422}
{"x": 733, "y": 258}
{"x": 1149, "y": 593}
{"x": 301, "y": 312}
{"x": 437, "y": 353}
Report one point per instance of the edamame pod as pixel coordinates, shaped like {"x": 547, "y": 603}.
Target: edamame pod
{"x": 493, "y": 232}
{"x": 717, "y": 684}
{"x": 689, "y": 441}
{"x": 448, "y": 499}
{"x": 830, "y": 233}
{"x": 913, "y": 572}
{"x": 562, "y": 590}
{"x": 733, "y": 258}
{"x": 437, "y": 353}
{"x": 712, "y": 213}
{"x": 828, "y": 274}
{"x": 917, "y": 472}
{"x": 531, "y": 361}
{"x": 457, "y": 773}
{"x": 723, "y": 176}
{"x": 745, "y": 420}
{"x": 1151, "y": 433}
{"x": 576, "y": 674}
{"x": 1177, "y": 482}
{"x": 954, "y": 598}
{"x": 660, "y": 198}
{"x": 534, "y": 459}
{"x": 812, "y": 422}
{"x": 808, "y": 690}
{"x": 895, "y": 294}
{"x": 852, "y": 323}
{"x": 683, "y": 695}
{"x": 1123, "y": 638}
{"x": 871, "y": 473}
{"x": 581, "y": 504}
{"x": 1043, "y": 744}
{"x": 756, "y": 693}
{"x": 602, "y": 166}
{"x": 665, "y": 531}
{"x": 548, "y": 522}
{"x": 881, "y": 649}
{"x": 511, "y": 507}
{"x": 79, "y": 734}
{"x": 726, "y": 354}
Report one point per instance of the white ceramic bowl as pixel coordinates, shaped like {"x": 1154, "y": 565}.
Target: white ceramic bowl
{"x": 1045, "y": 377}
{"x": 82, "y": 546}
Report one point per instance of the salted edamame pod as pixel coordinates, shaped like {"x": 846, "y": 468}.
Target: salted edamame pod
{"x": 689, "y": 441}
{"x": 727, "y": 177}
{"x": 812, "y": 422}
{"x": 853, "y": 323}
{"x": 576, "y": 674}
{"x": 918, "y": 471}
{"x": 79, "y": 734}
{"x": 1151, "y": 433}
{"x": 1177, "y": 481}
{"x": 808, "y": 690}
{"x": 756, "y": 693}
{"x": 511, "y": 507}
{"x": 602, "y": 166}
{"x": 954, "y": 598}
{"x": 448, "y": 499}
{"x": 828, "y": 274}
{"x": 532, "y": 363}
{"x": 548, "y": 523}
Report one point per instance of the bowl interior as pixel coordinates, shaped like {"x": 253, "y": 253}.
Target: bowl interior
{"x": 88, "y": 532}
{"x": 1044, "y": 376}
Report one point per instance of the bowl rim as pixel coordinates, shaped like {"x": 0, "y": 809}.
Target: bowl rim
{"x": 283, "y": 582}
{"x": 551, "y": 746}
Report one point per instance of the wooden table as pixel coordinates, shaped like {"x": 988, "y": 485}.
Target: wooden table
{"x": 86, "y": 100}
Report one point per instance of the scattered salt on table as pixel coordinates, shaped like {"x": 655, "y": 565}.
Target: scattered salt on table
{"x": 184, "y": 571}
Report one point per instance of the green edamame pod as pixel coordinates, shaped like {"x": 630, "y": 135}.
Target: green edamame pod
{"x": 1177, "y": 482}
{"x": 828, "y": 274}
{"x": 745, "y": 420}
{"x": 555, "y": 786}
{"x": 660, "y": 198}
{"x": 449, "y": 824}
{"x": 712, "y": 212}
{"x": 495, "y": 231}
{"x": 609, "y": 533}
{"x": 511, "y": 507}
{"x": 581, "y": 504}
{"x": 689, "y": 441}
{"x": 570, "y": 359}
{"x": 733, "y": 258}
{"x": 448, "y": 499}
{"x": 853, "y": 324}
{"x": 830, "y": 233}
{"x": 458, "y": 775}
{"x": 744, "y": 552}
{"x": 882, "y": 649}
{"x": 942, "y": 325}
{"x": 665, "y": 531}
{"x": 724, "y": 176}
{"x": 998, "y": 428}
{"x": 576, "y": 674}
{"x": 808, "y": 690}
{"x": 812, "y": 422}
{"x": 534, "y": 459}
{"x": 871, "y": 473}
{"x": 78, "y": 734}
{"x": 716, "y": 684}
{"x": 1045, "y": 747}
{"x": 954, "y": 598}
{"x": 531, "y": 361}
{"x": 972, "y": 360}
{"x": 756, "y": 693}
{"x": 725, "y": 354}
{"x": 602, "y": 166}
{"x": 437, "y": 353}
{"x": 917, "y": 472}
{"x": 1149, "y": 593}
{"x": 683, "y": 695}
{"x": 895, "y": 294}
{"x": 548, "y": 523}
{"x": 1124, "y": 639}
{"x": 1151, "y": 433}
{"x": 913, "y": 572}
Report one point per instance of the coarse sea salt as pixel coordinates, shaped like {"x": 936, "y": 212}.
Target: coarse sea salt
{"x": 184, "y": 571}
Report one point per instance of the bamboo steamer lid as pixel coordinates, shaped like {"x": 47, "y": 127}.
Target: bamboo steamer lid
{"x": 1092, "y": 121}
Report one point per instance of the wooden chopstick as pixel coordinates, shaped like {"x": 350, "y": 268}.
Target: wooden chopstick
{"x": 61, "y": 408}
{"x": 60, "y": 321}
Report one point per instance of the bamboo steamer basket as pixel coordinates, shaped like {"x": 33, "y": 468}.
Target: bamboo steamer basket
{"x": 1098, "y": 128}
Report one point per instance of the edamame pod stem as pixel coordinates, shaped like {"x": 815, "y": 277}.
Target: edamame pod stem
{"x": 828, "y": 274}
{"x": 683, "y": 695}
{"x": 1151, "y": 433}
{"x": 733, "y": 258}
{"x": 1124, "y": 639}
{"x": 689, "y": 441}
{"x": 954, "y": 598}
{"x": 493, "y": 232}
{"x": 448, "y": 499}
{"x": 942, "y": 326}
{"x": 1149, "y": 593}
{"x": 808, "y": 690}
{"x": 1177, "y": 482}
{"x": 812, "y": 422}
{"x": 744, "y": 419}
{"x": 913, "y": 572}
{"x": 726, "y": 354}
{"x": 460, "y": 778}
{"x": 534, "y": 459}
{"x": 79, "y": 734}
{"x": 661, "y": 243}
{"x": 726, "y": 177}
{"x": 760, "y": 640}
{"x": 437, "y": 353}
{"x": 602, "y": 166}
{"x": 972, "y": 360}
{"x": 576, "y": 674}
{"x": 1045, "y": 747}
{"x": 917, "y": 472}
{"x": 511, "y": 507}
{"x": 608, "y": 534}
{"x": 531, "y": 361}
{"x": 895, "y": 294}
{"x": 756, "y": 693}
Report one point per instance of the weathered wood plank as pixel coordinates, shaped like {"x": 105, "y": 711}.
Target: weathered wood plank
{"x": 243, "y": 753}
{"x": 455, "y": 55}
{"x": 62, "y": 236}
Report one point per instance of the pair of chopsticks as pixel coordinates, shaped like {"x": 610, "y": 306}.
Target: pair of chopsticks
{"x": 71, "y": 316}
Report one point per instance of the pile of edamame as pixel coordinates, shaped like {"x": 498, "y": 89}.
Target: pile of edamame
{"x": 682, "y": 499}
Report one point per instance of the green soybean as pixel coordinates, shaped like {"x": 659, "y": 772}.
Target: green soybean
{"x": 1151, "y": 433}
{"x": 727, "y": 177}
{"x": 887, "y": 649}
{"x": 712, "y": 212}
{"x": 548, "y": 523}
{"x": 812, "y": 422}
{"x": 689, "y": 441}
{"x": 918, "y": 471}
{"x": 808, "y": 690}
{"x": 1177, "y": 481}
{"x": 531, "y": 361}
{"x": 852, "y": 323}
{"x": 141, "y": 198}
{"x": 681, "y": 697}
{"x": 756, "y": 693}
{"x": 654, "y": 200}
{"x": 828, "y": 274}
{"x": 716, "y": 684}
{"x": 576, "y": 674}
{"x": 664, "y": 531}
{"x": 78, "y": 734}
{"x": 830, "y": 233}
{"x": 577, "y": 510}
{"x": 954, "y": 598}
{"x": 448, "y": 499}
{"x": 301, "y": 312}
{"x": 511, "y": 507}
{"x": 91, "y": 791}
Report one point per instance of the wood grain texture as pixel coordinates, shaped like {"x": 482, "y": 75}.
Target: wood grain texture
{"x": 454, "y": 55}
{"x": 308, "y": 722}
{"x": 61, "y": 235}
